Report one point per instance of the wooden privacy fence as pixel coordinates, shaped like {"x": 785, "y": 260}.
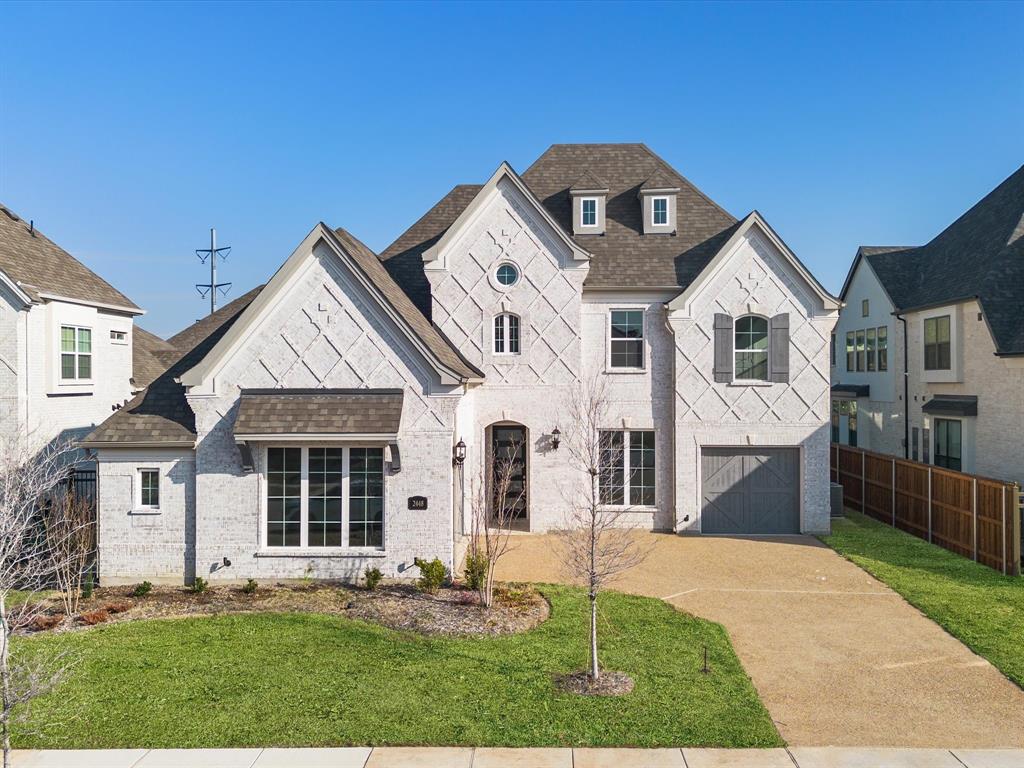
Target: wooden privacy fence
{"x": 976, "y": 517}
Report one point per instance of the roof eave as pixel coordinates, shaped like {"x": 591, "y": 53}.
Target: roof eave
{"x": 126, "y": 309}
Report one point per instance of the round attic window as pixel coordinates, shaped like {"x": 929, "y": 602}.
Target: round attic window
{"x": 507, "y": 275}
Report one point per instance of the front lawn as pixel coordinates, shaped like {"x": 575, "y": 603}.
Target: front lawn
{"x": 978, "y": 605}
{"x": 320, "y": 680}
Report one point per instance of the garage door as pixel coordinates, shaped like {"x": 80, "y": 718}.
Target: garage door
{"x": 750, "y": 490}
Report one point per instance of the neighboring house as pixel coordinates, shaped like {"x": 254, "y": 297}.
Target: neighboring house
{"x": 66, "y": 338}
{"x": 315, "y": 425}
{"x": 957, "y": 306}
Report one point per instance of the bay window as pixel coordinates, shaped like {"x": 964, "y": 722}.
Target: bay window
{"x": 324, "y": 497}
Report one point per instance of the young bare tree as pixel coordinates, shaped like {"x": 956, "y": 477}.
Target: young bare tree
{"x": 30, "y": 479}
{"x": 71, "y": 543}
{"x": 498, "y": 497}
{"x": 597, "y": 546}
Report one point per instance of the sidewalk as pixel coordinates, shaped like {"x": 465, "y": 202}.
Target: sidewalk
{"x": 459, "y": 757}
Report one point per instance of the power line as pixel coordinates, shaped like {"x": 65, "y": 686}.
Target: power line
{"x": 213, "y": 286}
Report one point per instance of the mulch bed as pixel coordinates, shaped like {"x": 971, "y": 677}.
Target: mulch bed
{"x": 609, "y": 684}
{"x": 451, "y": 611}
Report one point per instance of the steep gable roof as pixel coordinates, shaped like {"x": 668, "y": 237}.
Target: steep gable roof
{"x": 980, "y": 255}
{"x": 40, "y": 268}
{"x": 160, "y": 414}
{"x": 151, "y": 356}
{"x": 621, "y": 258}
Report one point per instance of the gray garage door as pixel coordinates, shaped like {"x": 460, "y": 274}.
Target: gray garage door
{"x": 750, "y": 490}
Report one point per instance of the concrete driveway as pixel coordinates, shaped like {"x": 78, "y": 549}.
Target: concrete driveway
{"x": 837, "y": 657}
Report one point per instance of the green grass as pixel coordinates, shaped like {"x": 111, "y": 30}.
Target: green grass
{"x": 310, "y": 679}
{"x": 976, "y": 604}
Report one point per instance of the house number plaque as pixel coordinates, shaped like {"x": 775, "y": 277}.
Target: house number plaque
{"x": 418, "y": 502}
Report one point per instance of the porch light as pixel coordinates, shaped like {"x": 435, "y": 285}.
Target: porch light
{"x": 556, "y": 438}
{"x": 459, "y": 455}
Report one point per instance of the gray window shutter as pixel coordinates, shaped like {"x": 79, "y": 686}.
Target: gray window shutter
{"x": 778, "y": 351}
{"x": 723, "y": 348}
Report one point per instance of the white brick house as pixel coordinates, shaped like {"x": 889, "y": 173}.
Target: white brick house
{"x": 310, "y": 426}
{"x": 929, "y": 348}
{"x": 66, "y": 339}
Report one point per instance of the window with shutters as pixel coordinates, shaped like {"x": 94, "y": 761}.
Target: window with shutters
{"x": 751, "y": 348}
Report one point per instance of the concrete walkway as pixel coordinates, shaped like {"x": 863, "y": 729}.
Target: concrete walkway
{"x": 416, "y": 757}
{"x": 838, "y": 658}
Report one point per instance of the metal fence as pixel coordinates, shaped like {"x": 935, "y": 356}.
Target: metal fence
{"x": 973, "y": 516}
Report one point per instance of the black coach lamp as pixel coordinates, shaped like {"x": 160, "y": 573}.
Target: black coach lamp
{"x": 459, "y": 454}
{"x": 556, "y": 438}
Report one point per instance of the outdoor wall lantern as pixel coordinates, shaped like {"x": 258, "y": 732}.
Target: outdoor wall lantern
{"x": 556, "y": 438}
{"x": 459, "y": 454}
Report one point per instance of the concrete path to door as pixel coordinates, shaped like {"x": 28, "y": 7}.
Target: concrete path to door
{"x": 837, "y": 657}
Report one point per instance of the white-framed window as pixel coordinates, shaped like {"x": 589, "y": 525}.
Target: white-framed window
{"x": 322, "y": 497}
{"x": 883, "y": 348}
{"x": 119, "y": 337}
{"x": 75, "y": 353}
{"x": 626, "y": 476}
{"x": 937, "y": 344}
{"x": 506, "y": 334}
{"x": 751, "y": 348}
{"x": 149, "y": 489}
{"x": 588, "y": 212}
{"x": 659, "y": 211}
{"x": 626, "y": 343}
{"x": 507, "y": 275}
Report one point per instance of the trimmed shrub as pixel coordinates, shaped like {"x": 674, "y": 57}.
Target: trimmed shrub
{"x": 199, "y": 586}
{"x": 88, "y": 585}
{"x": 250, "y": 587}
{"x": 373, "y": 577}
{"x": 475, "y": 572}
{"x": 432, "y": 574}
{"x": 143, "y": 589}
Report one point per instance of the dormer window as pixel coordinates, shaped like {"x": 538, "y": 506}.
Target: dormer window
{"x": 588, "y": 212}
{"x": 659, "y": 211}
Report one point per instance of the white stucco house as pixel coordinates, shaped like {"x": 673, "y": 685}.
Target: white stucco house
{"x": 928, "y": 353}
{"x": 66, "y": 339}
{"x": 312, "y": 426}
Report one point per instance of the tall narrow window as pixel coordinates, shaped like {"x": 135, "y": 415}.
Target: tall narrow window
{"x": 948, "y": 444}
{"x": 852, "y": 424}
{"x": 627, "y": 338}
{"x": 659, "y": 211}
{"x": 588, "y": 211}
{"x": 851, "y": 352}
{"x": 864, "y": 308}
{"x": 366, "y": 498}
{"x": 506, "y": 334}
{"x": 149, "y": 488}
{"x": 870, "y": 341}
{"x": 324, "y": 517}
{"x": 860, "y": 351}
{"x": 284, "y": 497}
{"x": 751, "y": 348}
{"x": 832, "y": 349}
{"x": 883, "y": 348}
{"x": 627, "y": 471}
{"x": 936, "y": 344}
{"x": 835, "y": 421}
{"x": 914, "y": 436}
{"x": 75, "y": 353}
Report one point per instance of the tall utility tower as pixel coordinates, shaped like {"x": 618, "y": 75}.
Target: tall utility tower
{"x": 213, "y": 286}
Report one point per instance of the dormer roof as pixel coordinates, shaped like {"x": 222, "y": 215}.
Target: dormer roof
{"x": 659, "y": 181}
{"x": 589, "y": 181}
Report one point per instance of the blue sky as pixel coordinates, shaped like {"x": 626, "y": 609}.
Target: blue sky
{"x": 126, "y": 131}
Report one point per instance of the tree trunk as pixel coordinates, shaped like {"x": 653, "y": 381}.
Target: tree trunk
{"x": 488, "y": 596}
{"x": 5, "y": 683}
{"x": 595, "y": 670}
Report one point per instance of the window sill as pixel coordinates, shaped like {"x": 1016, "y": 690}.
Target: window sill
{"x": 145, "y": 511}
{"x": 750, "y": 383}
{"x": 332, "y": 553}
{"x": 619, "y": 371}
{"x": 626, "y": 508}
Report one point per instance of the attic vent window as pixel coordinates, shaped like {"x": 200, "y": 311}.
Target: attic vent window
{"x": 507, "y": 275}
{"x": 659, "y": 211}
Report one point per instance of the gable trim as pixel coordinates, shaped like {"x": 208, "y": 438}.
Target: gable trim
{"x": 296, "y": 264}
{"x": 434, "y": 252}
{"x": 683, "y": 300}
{"x": 15, "y": 289}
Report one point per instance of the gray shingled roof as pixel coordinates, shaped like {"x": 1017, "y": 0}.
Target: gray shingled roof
{"x": 160, "y": 414}
{"x": 318, "y": 412}
{"x": 151, "y": 356}
{"x": 39, "y": 265}
{"x": 623, "y": 257}
{"x": 980, "y": 255}
{"x": 435, "y": 341}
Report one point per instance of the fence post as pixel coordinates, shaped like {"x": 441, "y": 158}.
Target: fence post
{"x": 1017, "y": 510}
{"x": 1003, "y": 494}
{"x": 863, "y": 483}
{"x": 929, "y": 505}
{"x": 974, "y": 514}
{"x": 893, "y": 492}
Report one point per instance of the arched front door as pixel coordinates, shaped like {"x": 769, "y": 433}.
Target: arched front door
{"x": 509, "y": 471}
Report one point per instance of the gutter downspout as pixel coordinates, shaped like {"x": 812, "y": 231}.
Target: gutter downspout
{"x": 906, "y": 389}
{"x": 672, "y": 414}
